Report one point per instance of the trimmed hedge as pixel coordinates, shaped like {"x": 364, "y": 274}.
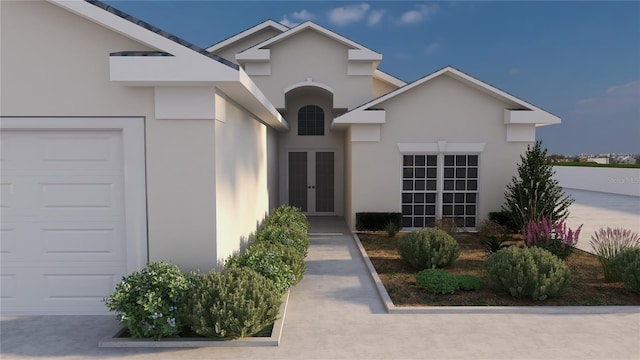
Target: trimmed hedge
{"x": 294, "y": 237}
{"x": 377, "y": 221}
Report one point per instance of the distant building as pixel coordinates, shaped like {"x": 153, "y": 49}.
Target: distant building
{"x": 599, "y": 160}
{"x": 627, "y": 159}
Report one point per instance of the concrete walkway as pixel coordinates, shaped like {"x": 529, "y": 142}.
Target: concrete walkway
{"x": 336, "y": 313}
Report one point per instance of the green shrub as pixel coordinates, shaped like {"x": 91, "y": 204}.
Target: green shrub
{"x": 428, "y": 248}
{"x": 437, "y": 281}
{"x": 493, "y": 236}
{"x": 534, "y": 194}
{"x": 266, "y": 263}
{"x": 469, "y": 282}
{"x": 287, "y": 254}
{"x": 289, "y": 236}
{"x": 288, "y": 217}
{"x": 606, "y": 244}
{"x": 149, "y": 303}
{"x": 377, "y": 221}
{"x": 391, "y": 229}
{"x": 532, "y": 272}
{"x": 504, "y": 218}
{"x": 626, "y": 265}
{"x": 238, "y": 302}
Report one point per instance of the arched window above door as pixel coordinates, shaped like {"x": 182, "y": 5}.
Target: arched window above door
{"x": 311, "y": 121}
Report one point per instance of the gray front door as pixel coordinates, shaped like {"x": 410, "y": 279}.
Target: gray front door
{"x": 312, "y": 181}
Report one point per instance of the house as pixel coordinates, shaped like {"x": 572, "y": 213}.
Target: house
{"x": 122, "y": 144}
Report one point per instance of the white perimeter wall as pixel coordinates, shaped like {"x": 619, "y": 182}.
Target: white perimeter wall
{"x": 604, "y": 197}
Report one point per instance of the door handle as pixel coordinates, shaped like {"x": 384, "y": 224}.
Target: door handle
{"x": 311, "y": 187}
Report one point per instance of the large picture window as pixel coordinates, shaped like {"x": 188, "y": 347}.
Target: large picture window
{"x": 439, "y": 186}
{"x": 311, "y": 120}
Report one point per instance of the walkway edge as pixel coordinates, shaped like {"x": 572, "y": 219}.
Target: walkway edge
{"x": 565, "y": 310}
{"x": 113, "y": 341}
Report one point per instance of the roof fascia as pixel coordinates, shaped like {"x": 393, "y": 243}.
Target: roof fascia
{"x": 246, "y": 33}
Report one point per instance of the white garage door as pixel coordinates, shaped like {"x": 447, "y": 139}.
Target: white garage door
{"x": 63, "y": 236}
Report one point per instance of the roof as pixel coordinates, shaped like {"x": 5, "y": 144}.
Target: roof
{"x": 366, "y": 53}
{"x": 173, "y": 61}
{"x": 268, "y": 24}
{"x": 160, "y": 32}
{"x": 460, "y": 76}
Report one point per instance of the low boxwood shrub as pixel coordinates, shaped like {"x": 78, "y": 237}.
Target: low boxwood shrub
{"x": 377, "y": 221}
{"x": 428, "y": 248}
{"x": 267, "y": 263}
{"x": 626, "y": 266}
{"x": 469, "y": 282}
{"x": 533, "y": 272}
{"x": 437, "y": 281}
{"x": 289, "y": 217}
{"x": 290, "y": 236}
{"x": 149, "y": 302}
{"x": 238, "y": 302}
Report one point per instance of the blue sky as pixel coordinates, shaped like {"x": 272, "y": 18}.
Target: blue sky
{"x": 577, "y": 60}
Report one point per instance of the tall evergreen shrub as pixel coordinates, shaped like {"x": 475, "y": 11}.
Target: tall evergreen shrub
{"x": 534, "y": 194}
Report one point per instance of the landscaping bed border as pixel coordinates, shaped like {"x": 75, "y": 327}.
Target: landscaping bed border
{"x": 114, "y": 341}
{"x": 541, "y": 309}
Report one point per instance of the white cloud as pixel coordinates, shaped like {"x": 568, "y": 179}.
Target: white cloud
{"x": 421, "y": 13}
{"x": 374, "y": 17}
{"x": 616, "y": 98}
{"x": 432, "y": 48}
{"x": 345, "y": 15}
{"x": 298, "y": 17}
{"x": 514, "y": 71}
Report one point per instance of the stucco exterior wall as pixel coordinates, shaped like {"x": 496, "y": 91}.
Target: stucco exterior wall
{"x": 242, "y": 171}
{"x": 230, "y": 52}
{"x": 312, "y": 55}
{"x": 53, "y": 70}
{"x": 442, "y": 109}
{"x": 381, "y": 87}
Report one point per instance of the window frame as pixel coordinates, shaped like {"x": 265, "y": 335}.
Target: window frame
{"x": 311, "y": 125}
{"x": 442, "y": 149}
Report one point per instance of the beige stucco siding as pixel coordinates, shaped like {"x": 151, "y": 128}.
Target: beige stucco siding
{"x": 312, "y": 55}
{"x": 442, "y": 109}
{"x": 242, "y": 170}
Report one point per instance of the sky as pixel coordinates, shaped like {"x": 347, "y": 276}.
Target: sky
{"x": 577, "y": 60}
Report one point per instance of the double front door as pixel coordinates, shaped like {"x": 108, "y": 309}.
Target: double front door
{"x": 312, "y": 181}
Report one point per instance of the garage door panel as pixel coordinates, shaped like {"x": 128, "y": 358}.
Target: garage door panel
{"x": 85, "y": 195}
{"x": 53, "y": 149}
{"x": 62, "y": 241}
{"x": 63, "y": 238}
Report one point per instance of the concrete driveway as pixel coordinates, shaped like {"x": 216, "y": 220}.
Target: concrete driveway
{"x": 336, "y": 313}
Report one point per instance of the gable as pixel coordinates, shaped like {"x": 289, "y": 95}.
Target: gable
{"x": 52, "y": 65}
{"x": 228, "y": 48}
